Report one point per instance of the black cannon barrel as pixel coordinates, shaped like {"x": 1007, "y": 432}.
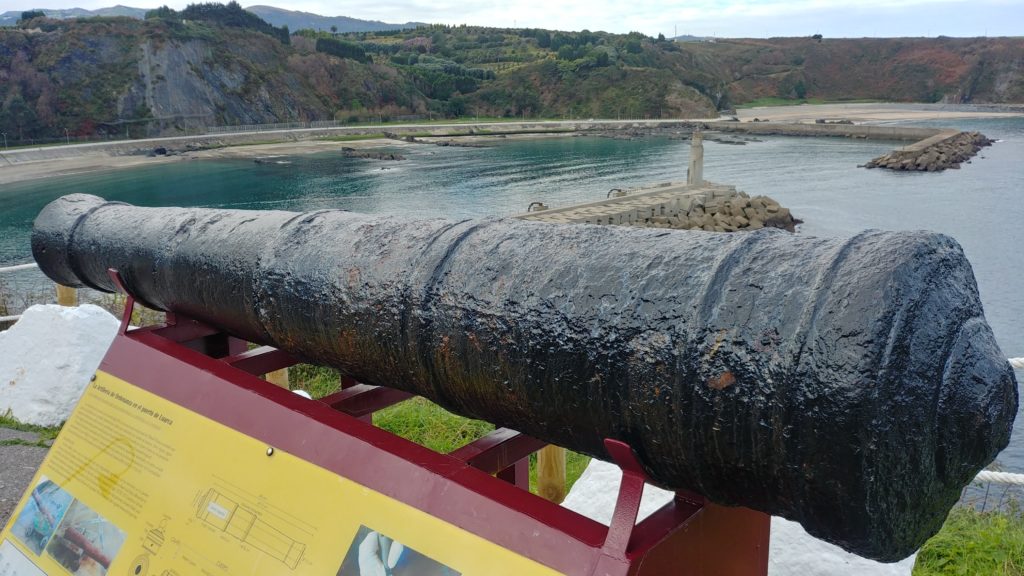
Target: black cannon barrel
{"x": 851, "y": 385}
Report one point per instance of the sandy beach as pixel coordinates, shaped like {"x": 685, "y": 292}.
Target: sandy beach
{"x": 38, "y": 170}
{"x": 868, "y": 113}
{"x": 33, "y": 164}
{"x": 96, "y": 161}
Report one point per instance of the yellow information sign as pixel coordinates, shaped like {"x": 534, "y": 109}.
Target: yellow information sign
{"x": 137, "y": 485}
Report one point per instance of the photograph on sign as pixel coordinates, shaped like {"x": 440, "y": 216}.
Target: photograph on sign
{"x": 374, "y": 554}
{"x": 42, "y": 512}
{"x": 85, "y": 543}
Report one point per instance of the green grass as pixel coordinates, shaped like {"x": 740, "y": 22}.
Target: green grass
{"x": 974, "y": 543}
{"x": 47, "y": 434}
{"x": 424, "y": 422}
{"x": 427, "y": 424}
{"x": 317, "y": 380}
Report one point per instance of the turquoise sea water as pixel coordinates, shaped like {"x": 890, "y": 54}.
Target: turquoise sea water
{"x": 979, "y": 205}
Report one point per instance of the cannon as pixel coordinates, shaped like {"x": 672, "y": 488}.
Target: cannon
{"x": 851, "y": 385}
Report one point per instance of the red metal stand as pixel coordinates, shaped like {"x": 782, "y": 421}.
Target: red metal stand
{"x": 481, "y": 487}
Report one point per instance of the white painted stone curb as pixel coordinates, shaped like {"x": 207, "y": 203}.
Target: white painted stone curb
{"x": 48, "y": 357}
{"x": 792, "y": 552}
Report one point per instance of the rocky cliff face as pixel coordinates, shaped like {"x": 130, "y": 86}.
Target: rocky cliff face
{"x": 148, "y": 79}
{"x": 197, "y": 83}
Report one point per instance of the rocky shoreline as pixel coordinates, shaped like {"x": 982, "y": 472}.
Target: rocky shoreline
{"x": 948, "y": 153}
{"x": 439, "y": 141}
{"x": 370, "y": 155}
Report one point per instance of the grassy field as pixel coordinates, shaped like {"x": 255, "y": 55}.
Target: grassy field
{"x": 974, "y": 543}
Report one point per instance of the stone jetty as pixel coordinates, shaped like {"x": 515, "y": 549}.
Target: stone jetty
{"x": 694, "y": 205}
{"x": 706, "y": 206}
{"x": 942, "y": 151}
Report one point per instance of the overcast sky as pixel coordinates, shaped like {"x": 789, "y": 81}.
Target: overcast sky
{"x": 723, "y": 18}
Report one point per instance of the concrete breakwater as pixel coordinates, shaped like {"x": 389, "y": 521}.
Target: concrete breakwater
{"x": 862, "y": 131}
{"x": 180, "y": 144}
{"x": 709, "y": 207}
{"x": 942, "y": 151}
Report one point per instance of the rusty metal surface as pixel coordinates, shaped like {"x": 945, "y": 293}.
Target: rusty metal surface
{"x": 850, "y": 385}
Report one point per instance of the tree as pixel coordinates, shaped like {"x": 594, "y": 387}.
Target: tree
{"x": 334, "y": 29}
{"x": 800, "y": 89}
{"x": 162, "y": 12}
{"x": 341, "y": 49}
{"x": 456, "y": 106}
{"x": 31, "y": 14}
{"x": 17, "y": 115}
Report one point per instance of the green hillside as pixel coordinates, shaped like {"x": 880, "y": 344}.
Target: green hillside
{"x": 212, "y": 65}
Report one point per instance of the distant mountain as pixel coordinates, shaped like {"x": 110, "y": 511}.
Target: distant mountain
{"x": 276, "y": 16}
{"x": 306, "y": 20}
{"x": 11, "y": 18}
{"x": 690, "y": 38}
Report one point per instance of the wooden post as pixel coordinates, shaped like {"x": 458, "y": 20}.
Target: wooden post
{"x": 67, "y": 296}
{"x": 278, "y": 378}
{"x": 551, "y": 473}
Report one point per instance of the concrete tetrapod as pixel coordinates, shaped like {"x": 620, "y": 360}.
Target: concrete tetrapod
{"x": 850, "y": 385}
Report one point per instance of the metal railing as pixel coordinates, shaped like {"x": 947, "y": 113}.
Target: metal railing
{"x": 11, "y": 269}
{"x": 65, "y": 295}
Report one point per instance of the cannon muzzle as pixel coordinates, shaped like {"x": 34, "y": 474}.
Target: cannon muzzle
{"x": 851, "y": 385}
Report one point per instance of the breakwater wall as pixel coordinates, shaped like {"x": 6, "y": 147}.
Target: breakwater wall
{"x": 868, "y": 132}
{"x": 935, "y": 154}
{"x": 208, "y": 141}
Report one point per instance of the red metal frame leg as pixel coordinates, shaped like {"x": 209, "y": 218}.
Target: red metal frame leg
{"x": 613, "y": 560}
{"x": 517, "y": 474}
{"x": 129, "y": 301}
